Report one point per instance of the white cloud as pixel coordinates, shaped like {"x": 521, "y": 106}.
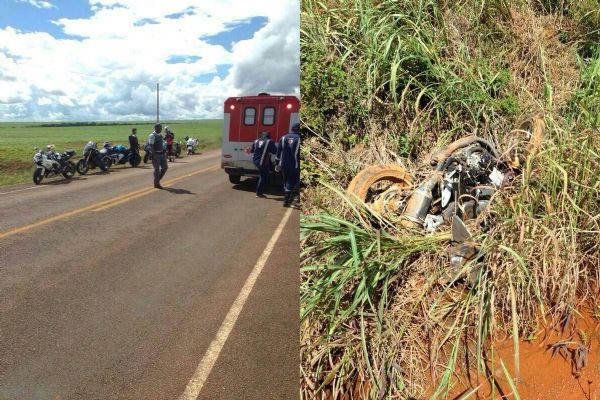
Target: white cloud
{"x": 38, "y": 3}
{"x": 44, "y": 101}
{"x": 110, "y": 68}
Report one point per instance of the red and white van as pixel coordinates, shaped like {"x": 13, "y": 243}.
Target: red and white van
{"x": 244, "y": 120}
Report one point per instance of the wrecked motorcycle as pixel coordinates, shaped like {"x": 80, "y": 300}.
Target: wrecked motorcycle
{"x": 465, "y": 176}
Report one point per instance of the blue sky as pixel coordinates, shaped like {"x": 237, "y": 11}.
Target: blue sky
{"x": 101, "y": 59}
{"x": 24, "y": 16}
{"x": 237, "y": 31}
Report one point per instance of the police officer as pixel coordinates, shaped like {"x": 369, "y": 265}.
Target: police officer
{"x": 134, "y": 145}
{"x": 159, "y": 158}
{"x": 261, "y": 156}
{"x": 288, "y": 162}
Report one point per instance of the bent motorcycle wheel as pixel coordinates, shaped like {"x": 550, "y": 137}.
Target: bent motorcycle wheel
{"x": 525, "y": 141}
{"x": 82, "y": 167}
{"x": 536, "y": 128}
{"x": 38, "y": 176}
{"x": 366, "y": 180}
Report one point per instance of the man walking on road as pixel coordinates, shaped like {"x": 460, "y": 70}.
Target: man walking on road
{"x": 159, "y": 158}
{"x": 261, "y": 156}
{"x": 288, "y": 162}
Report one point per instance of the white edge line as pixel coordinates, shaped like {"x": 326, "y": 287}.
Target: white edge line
{"x": 21, "y": 190}
{"x": 211, "y": 355}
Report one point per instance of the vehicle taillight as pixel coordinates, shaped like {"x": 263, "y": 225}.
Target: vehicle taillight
{"x": 232, "y": 107}
{"x": 227, "y": 155}
{"x": 289, "y": 106}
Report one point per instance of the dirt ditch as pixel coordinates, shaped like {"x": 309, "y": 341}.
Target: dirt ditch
{"x": 554, "y": 364}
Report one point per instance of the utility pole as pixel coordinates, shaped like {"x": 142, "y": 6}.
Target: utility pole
{"x": 157, "y": 104}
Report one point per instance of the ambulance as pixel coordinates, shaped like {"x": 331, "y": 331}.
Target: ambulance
{"x": 245, "y": 118}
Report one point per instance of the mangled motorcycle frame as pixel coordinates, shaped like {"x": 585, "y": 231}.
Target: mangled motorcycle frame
{"x": 466, "y": 175}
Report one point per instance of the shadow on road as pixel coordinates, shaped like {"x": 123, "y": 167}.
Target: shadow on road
{"x": 177, "y": 191}
{"x": 64, "y": 181}
{"x": 272, "y": 189}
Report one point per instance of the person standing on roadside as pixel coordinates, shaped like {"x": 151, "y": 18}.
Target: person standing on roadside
{"x": 159, "y": 158}
{"x": 134, "y": 145}
{"x": 288, "y": 162}
{"x": 261, "y": 156}
{"x": 169, "y": 137}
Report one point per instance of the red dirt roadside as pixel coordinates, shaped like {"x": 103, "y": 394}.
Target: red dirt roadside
{"x": 548, "y": 365}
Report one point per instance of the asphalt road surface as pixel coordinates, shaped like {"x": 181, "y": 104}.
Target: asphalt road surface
{"x": 110, "y": 289}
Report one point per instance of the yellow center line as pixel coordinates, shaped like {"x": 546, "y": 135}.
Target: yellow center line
{"x": 167, "y": 183}
{"x": 100, "y": 205}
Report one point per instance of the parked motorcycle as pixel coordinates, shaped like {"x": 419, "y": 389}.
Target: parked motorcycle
{"x": 92, "y": 158}
{"x": 191, "y": 145}
{"x": 119, "y": 154}
{"x": 49, "y": 164}
{"x": 148, "y": 153}
{"x": 177, "y": 149}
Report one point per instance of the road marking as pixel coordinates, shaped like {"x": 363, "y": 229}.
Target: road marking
{"x": 21, "y": 190}
{"x": 150, "y": 190}
{"x": 209, "y": 359}
{"x": 100, "y": 205}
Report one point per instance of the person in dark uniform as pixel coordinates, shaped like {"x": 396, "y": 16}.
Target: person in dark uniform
{"x": 288, "y": 162}
{"x": 261, "y": 156}
{"x": 159, "y": 158}
{"x": 134, "y": 145}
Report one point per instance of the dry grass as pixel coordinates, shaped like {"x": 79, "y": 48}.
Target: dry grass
{"x": 376, "y": 323}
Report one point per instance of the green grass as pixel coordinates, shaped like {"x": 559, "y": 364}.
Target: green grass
{"x": 386, "y": 81}
{"x": 18, "y": 139}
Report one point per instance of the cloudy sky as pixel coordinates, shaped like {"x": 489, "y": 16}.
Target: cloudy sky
{"x": 100, "y": 59}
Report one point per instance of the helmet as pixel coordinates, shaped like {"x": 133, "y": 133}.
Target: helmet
{"x": 167, "y": 129}
{"x": 296, "y": 127}
{"x": 50, "y": 148}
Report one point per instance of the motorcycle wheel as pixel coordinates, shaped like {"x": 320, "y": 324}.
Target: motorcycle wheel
{"x": 82, "y": 167}
{"x": 38, "y": 176}
{"x": 134, "y": 160}
{"x": 106, "y": 163}
{"x": 69, "y": 170}
{"x": 363, "y": 184}
{"x": 146, "y": 158}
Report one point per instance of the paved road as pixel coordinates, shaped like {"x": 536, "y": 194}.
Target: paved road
{"x": 110, "y": 289}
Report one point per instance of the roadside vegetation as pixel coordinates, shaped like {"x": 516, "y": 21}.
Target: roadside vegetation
{"x": 387, "y": 81}
{"x": 18, "y": 139}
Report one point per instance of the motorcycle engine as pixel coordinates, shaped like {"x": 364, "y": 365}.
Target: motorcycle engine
{"x": 471, "y": 176}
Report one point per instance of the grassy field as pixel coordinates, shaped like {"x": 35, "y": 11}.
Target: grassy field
{"x": 387, "y": 81}
{"x": 17, "y": 140}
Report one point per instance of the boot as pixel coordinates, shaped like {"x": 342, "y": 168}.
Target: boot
{"x": 288, "y": 199}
